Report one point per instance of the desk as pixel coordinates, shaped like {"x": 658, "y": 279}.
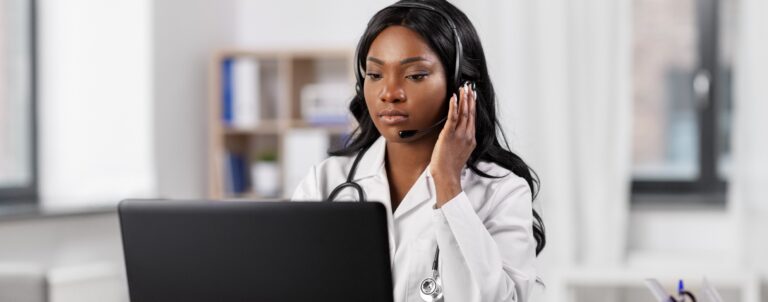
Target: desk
{"x": 584, "y": 284}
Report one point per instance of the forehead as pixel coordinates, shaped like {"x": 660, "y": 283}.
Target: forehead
{"x": 398, "y": 42}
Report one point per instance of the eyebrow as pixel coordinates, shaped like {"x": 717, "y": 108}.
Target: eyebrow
{"x": 402, "y": 62}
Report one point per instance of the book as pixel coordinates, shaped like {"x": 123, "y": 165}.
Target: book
{"x": 245, "y": 93}
{"x": 326, "y": 103}
{"x": 235, "y": 174}
{"x": 302, "y": 148}
{"x": 226, "y": 92}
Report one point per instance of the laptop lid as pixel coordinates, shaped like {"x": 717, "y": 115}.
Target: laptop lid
{"x": 255, "y": 251}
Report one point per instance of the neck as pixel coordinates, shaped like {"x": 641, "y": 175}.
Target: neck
{"x": 411, "y": 157}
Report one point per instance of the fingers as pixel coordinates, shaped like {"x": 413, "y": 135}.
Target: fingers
{"x": 472, "y": 112}
{"x": 453, "y": 116}
{"x": 461, "y": 126}
{"x": 462, "y": 113}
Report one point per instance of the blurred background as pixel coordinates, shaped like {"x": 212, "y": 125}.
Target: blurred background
{"x": 643, "y": 118}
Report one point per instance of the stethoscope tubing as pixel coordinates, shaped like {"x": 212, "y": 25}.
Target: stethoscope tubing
{"x": 349, "y": 183}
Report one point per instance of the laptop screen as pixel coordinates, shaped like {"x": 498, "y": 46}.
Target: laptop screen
{"x": 255, "y": 251}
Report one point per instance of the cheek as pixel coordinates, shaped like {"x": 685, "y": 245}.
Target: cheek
{"x": 368, "y": 94}
{"x": 370, "y": 99}
{"x": 431, "y": 94}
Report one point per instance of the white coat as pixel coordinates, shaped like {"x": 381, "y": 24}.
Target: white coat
{"x": 485, "y": 234}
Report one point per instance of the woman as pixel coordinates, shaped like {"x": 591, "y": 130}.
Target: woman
{"x": 426, "y": 146}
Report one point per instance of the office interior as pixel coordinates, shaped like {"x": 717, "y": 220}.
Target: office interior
{"x": 644, "y": 120}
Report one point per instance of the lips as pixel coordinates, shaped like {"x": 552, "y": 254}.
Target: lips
{"x": 392, "y": 116}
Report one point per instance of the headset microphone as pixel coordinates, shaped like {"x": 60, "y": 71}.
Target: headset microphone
{"x": 411, "y": 133}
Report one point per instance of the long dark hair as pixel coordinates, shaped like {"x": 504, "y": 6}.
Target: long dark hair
{"x": 435, "y": 30}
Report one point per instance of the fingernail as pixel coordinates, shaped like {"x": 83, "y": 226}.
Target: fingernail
{"x": 474, "y": 86}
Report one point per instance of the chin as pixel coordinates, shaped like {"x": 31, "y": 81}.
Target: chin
{"x": 392, "y": 135}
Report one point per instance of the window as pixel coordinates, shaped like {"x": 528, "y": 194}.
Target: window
{"x": 18, "y": 176}
{"x": 682, "y": 99}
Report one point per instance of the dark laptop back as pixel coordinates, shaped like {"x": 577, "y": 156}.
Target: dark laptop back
{"x": 256, "y": 251}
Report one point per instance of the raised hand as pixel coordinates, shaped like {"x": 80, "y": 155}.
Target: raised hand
{"x": 454, "y": 145}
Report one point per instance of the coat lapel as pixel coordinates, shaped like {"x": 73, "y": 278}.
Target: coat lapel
{"x": 372, "y": 161}
{"x": 422, "y": 191}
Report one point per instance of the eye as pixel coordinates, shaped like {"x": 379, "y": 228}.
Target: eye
{"x": 418, "y": 76}
{"x": 373, "y": 76}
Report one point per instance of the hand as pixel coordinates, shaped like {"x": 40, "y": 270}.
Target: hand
{"x": 454, "y": 145}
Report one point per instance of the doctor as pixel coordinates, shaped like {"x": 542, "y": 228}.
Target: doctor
{"x": 426, "y": 147}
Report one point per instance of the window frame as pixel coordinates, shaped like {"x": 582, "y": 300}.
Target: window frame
{"x": 28, "y": 194}
{"x": 709, "y": 188}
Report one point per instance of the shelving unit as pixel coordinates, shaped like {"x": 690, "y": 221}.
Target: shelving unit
{"x": 282, "y": 74}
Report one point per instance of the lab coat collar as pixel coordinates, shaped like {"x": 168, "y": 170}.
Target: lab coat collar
{"x": 372, "y": 161}
{"x": 422, "y": 191}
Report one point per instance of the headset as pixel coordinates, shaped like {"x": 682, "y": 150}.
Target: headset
{"x": 431, "y": 288}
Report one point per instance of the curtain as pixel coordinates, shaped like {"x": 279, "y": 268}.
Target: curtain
{"x": 747, "y": 195}
{"x": 562, "y": 73}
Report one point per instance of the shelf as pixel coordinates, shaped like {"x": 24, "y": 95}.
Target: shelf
{"x": 278, "y": 127}
{"x": 331, "y": 128}
{"x": 251, "y": 197}
{"x": 263, "y": 127}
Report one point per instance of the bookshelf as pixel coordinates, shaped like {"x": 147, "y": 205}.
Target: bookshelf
{"x": 260, "y": 134}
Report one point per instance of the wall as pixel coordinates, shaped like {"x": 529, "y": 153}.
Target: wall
{"x": 95, "y": 131}
{"x": 302, "y": 24}
{"x": 701, "y": 237}
{"x": 185, "y": 35}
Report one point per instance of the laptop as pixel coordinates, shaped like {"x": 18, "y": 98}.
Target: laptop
{"x": 255, "y": 251}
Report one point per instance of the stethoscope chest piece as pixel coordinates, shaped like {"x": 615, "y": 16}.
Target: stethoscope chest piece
{"x": 431, "y": 288}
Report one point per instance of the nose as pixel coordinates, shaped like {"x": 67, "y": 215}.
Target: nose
{"x": 392, "y": 92}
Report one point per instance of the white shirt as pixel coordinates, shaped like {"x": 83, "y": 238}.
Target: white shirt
{"x": 485, "y": 234}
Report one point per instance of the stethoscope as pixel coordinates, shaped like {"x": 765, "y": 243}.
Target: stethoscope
{"x": 431, "y": 288}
